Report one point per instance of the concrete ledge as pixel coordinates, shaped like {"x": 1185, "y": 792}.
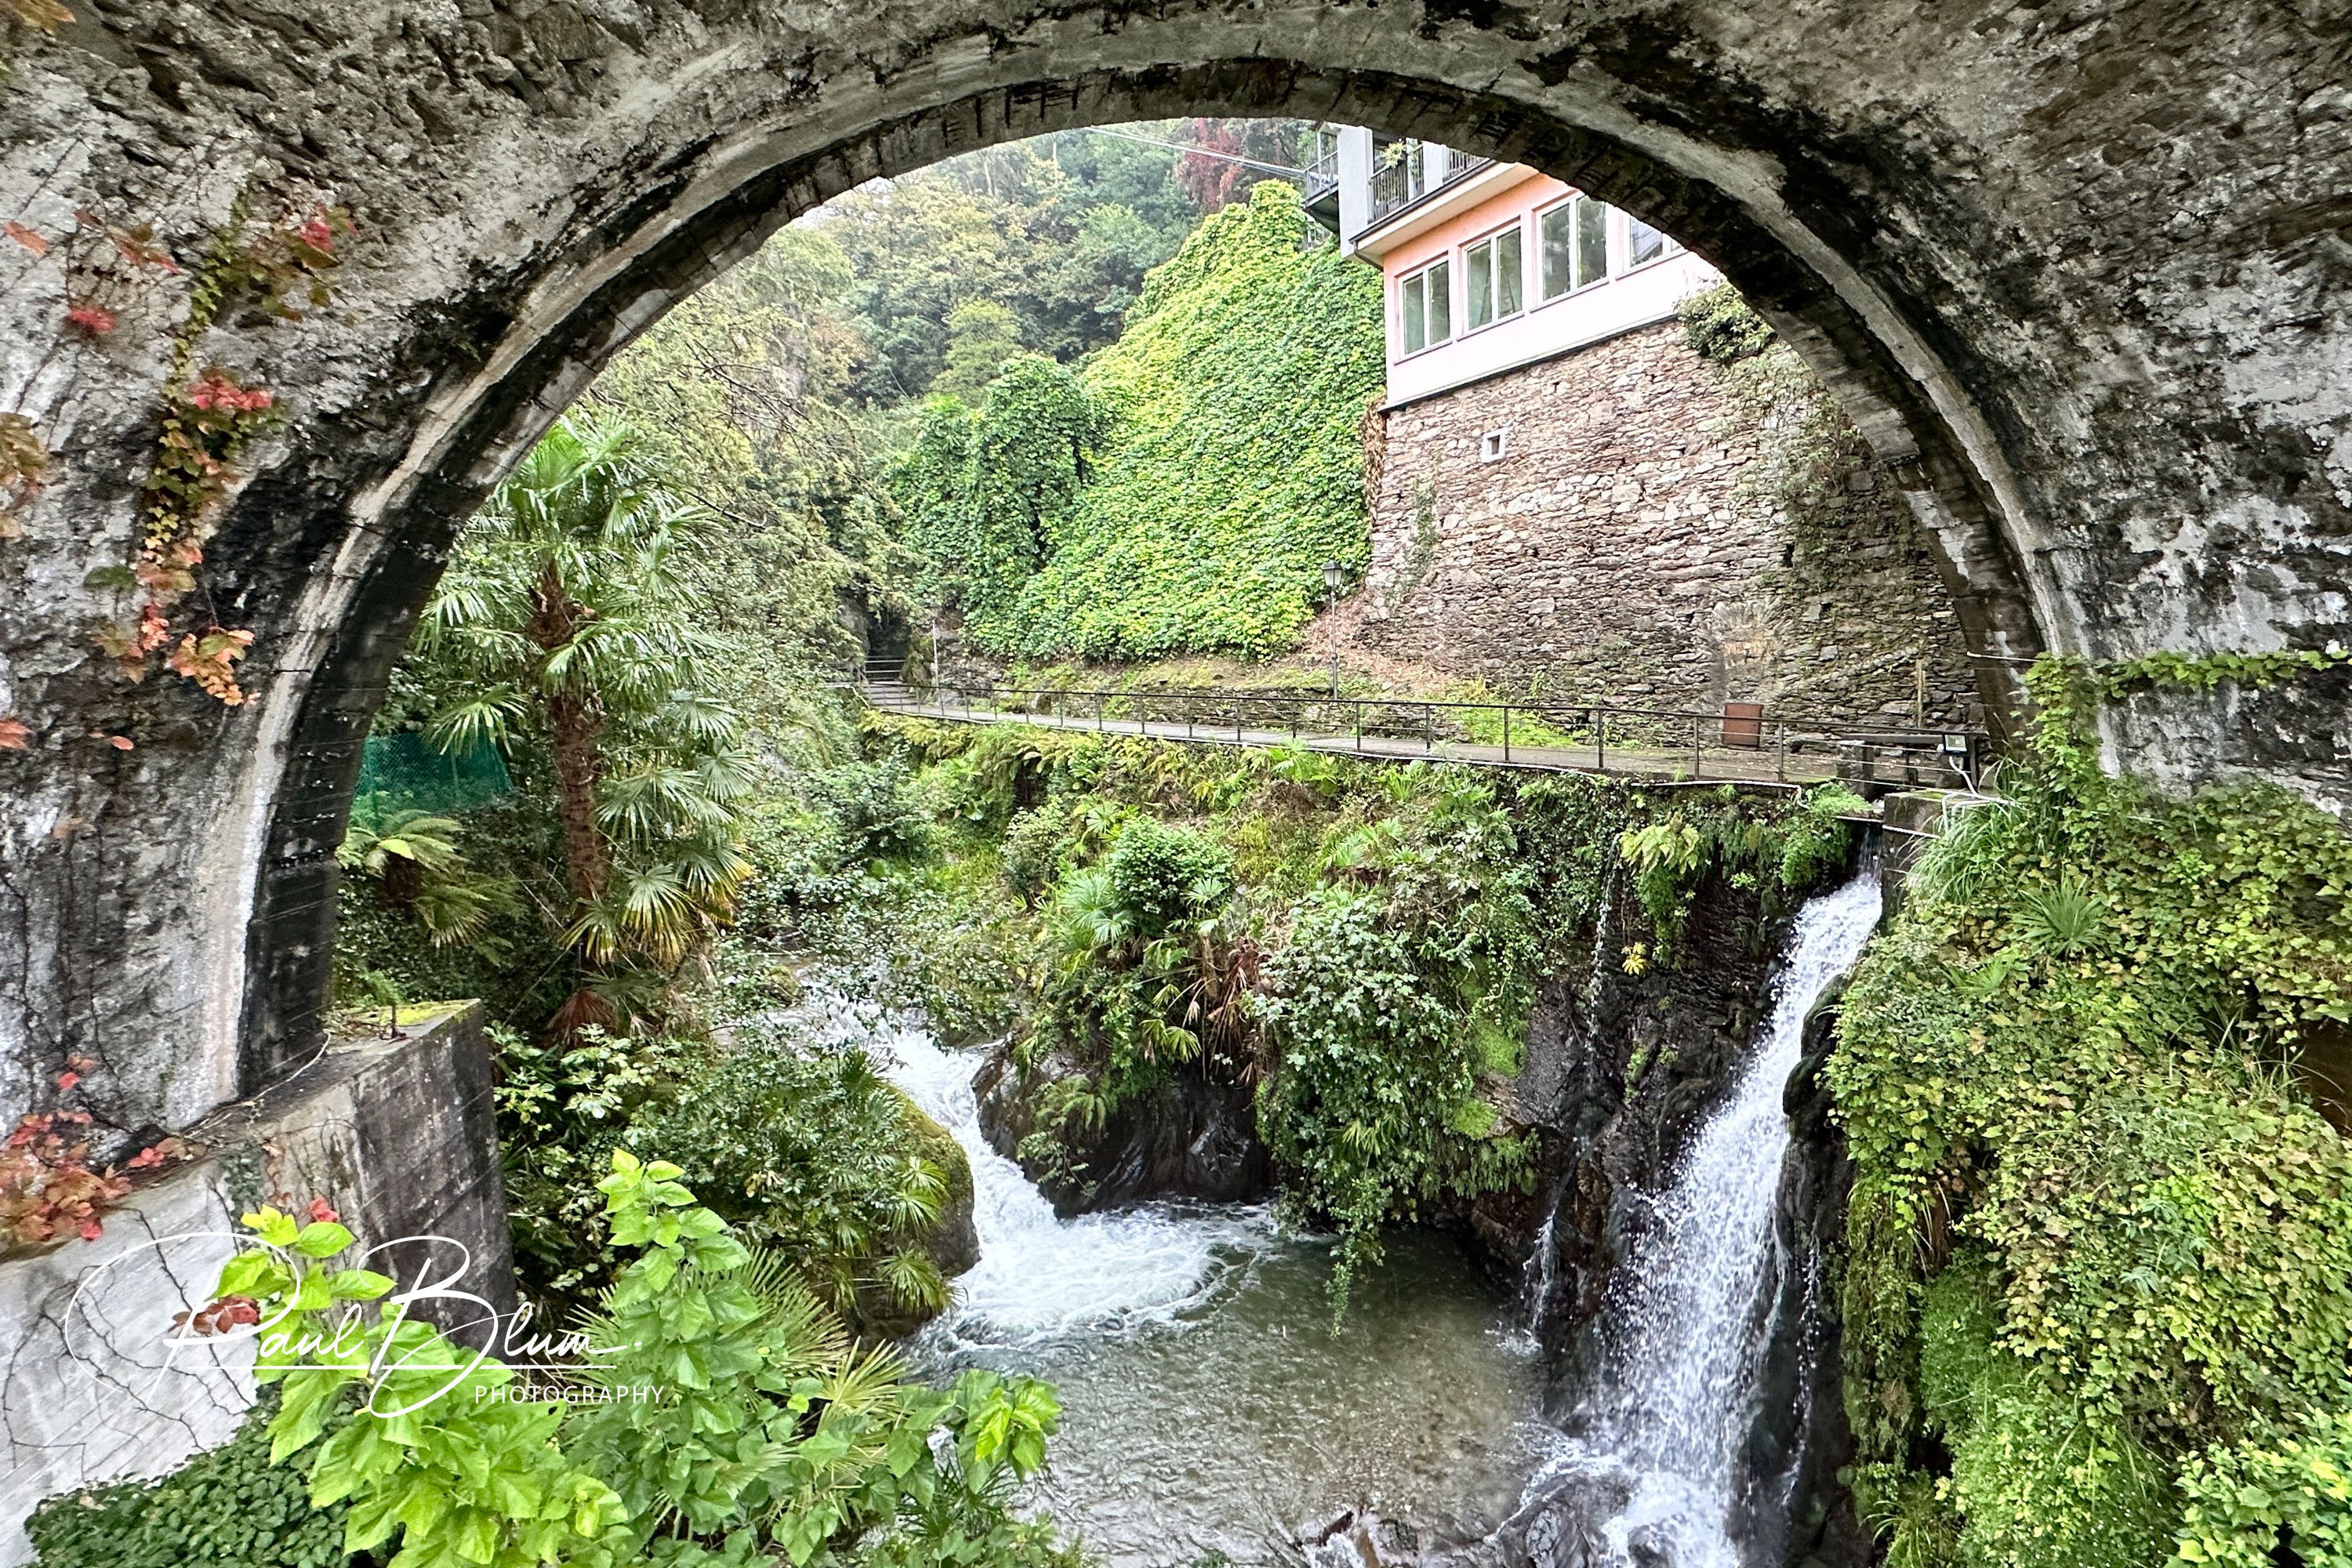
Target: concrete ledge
{"x": 398, "y": 1135}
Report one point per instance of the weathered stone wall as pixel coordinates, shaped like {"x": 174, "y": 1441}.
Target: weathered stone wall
{"x": 2092, "y": 311}
{"x": 1625, "y": 548}
{"x": 398, "y": 1136}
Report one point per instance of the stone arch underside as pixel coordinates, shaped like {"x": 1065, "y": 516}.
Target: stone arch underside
{"x": 2080, "y": 279}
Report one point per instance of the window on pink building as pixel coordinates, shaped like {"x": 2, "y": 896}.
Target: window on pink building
{"x": 1575, "y": 247}
{"x": 1425, "y": 303}
{"x": 1642, "y": 243}
{"x": 1494, "y": 269}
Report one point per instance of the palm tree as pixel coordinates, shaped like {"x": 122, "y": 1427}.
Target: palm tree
{"x": 564, "y": 612}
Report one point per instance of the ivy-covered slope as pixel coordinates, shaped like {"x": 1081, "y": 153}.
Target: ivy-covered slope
{"x": 1187, "y": 498}
{"x": 2098, "y": 1300}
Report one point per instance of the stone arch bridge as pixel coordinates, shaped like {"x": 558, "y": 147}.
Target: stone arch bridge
{"x": 2083, "y": 274}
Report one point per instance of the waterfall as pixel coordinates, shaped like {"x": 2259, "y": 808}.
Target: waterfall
{"x": 1537, "y": 1276}
{"x": 1600, "y": 933}
{"x": 1041, "y": 1277}
{"x": 1653, "y": 1461}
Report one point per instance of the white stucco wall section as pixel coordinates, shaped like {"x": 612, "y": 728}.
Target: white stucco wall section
{"x": 1631, "y": 300}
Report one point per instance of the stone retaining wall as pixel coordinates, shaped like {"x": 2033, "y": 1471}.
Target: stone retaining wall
{"x": 1623, "y": 549}
{"x": 397, "y": 1135}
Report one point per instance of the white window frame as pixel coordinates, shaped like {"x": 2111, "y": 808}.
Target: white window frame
{"x": 1418, "y": 274}
{"x": 1492, "y": 239}
{"x": 1617, "y": 247}
{"x": 1624, "y": 221}
{"x": 1609, "y": 247}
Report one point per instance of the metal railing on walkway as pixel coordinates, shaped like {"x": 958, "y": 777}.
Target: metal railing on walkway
{"x": 1651, "y": 743}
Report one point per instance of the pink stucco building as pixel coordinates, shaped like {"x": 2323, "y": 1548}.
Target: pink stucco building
{"x": 1491, "y": 267}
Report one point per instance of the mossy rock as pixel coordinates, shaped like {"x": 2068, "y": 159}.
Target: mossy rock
{"x": 952, "y": 1241}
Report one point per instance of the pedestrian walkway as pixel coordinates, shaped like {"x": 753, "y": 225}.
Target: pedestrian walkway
{"x": 1401, "y": 731}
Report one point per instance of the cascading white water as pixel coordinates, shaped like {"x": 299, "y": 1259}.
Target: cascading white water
{"x": 1208, "y": 1408}
{"x": 1661, "y": 1431}
{"x": 1040, "y": 1276}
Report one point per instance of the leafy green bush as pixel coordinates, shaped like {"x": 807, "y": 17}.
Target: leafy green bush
{"x": 1186, "y": 495}
{"x": 1385, "y": 1007}
{"x": 873, "y": 816}
{"x": 1718, "y": 324}
{"x": 1033, "y": 852}
{"x": 2283, "y": 1483}
{"x": 739, "y": 1420}
{"x": 812, "y": 1154}
{"x": 564, "y": 1106}
{"x": 2064, "y": 1068}
{"x": 1162, "y": 874}
{"x": 226, "y": 1508}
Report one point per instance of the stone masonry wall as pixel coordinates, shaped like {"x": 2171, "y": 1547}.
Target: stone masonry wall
{"x": 399, "y": 1136}
{"x": 1623, "y": 549}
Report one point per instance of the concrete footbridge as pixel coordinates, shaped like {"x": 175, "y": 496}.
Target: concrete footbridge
{"x": 1652, "y": 747}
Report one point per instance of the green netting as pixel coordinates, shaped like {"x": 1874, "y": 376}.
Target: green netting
{"x": 401, "y": 772}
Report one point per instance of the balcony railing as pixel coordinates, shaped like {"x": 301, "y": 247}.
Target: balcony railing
{"x": 1321, "y": 197}
{"x": 1407, "y": 172}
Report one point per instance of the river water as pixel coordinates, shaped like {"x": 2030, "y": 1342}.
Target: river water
{"x": 1209, "y": 1410}
{"x": 1207, "y": 1405}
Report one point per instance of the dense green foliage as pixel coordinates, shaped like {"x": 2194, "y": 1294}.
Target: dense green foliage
{"x": 719, "y": 1416}
{"x": 987, "y": 491}
{"x": 1228, "y": 468}
{"x": 1050, "y": 239}
{"x": 2100, "y": 1240}
{"x": 1403, "y": 988}
{"x": 811, "y": 1153}
{"x": 802, "y": 1145}
{"x": 227, "y": 1507}
{"x": 1359, "y": 941}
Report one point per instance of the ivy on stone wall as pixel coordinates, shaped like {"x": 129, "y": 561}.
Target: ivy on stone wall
{"x": 986, "y": 490}
{"x": 2096, "y": 1302}
{"x": 2203, "y": 672}
{"x": 1228, "y": 467}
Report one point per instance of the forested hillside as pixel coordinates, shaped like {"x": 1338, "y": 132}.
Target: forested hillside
{"x": 1179, "y": 492}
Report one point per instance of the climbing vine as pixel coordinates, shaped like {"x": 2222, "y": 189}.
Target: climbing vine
{"x": 208, "y": 414}
{"x": 986, "y": 491}
{"x": 2099, "y": 1286}
{"x": 1226, "y": 468}
{"x": 2204, "y": 672}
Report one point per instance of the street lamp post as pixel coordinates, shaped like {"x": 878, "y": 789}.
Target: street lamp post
{"x": 1333, "y": 573}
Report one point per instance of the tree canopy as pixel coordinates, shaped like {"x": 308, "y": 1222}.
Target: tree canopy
{"x": 1224, "y": 467}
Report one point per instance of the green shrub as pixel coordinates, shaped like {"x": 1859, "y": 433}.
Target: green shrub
{"x": 1162, "y": 874}
{"x": 1718, "y": 324}
{"x": 2065, "y": 1066}
{"x": 2289, "y": 1486}
{"x": 810, "y": 1152}
{"x": 1384, "y": 1010}
{"x": 226, "y": 1508}
{"x": 741, "y": 1424}
{"x": 564, "y": 1106}
{"x": 1033, "y": 853}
